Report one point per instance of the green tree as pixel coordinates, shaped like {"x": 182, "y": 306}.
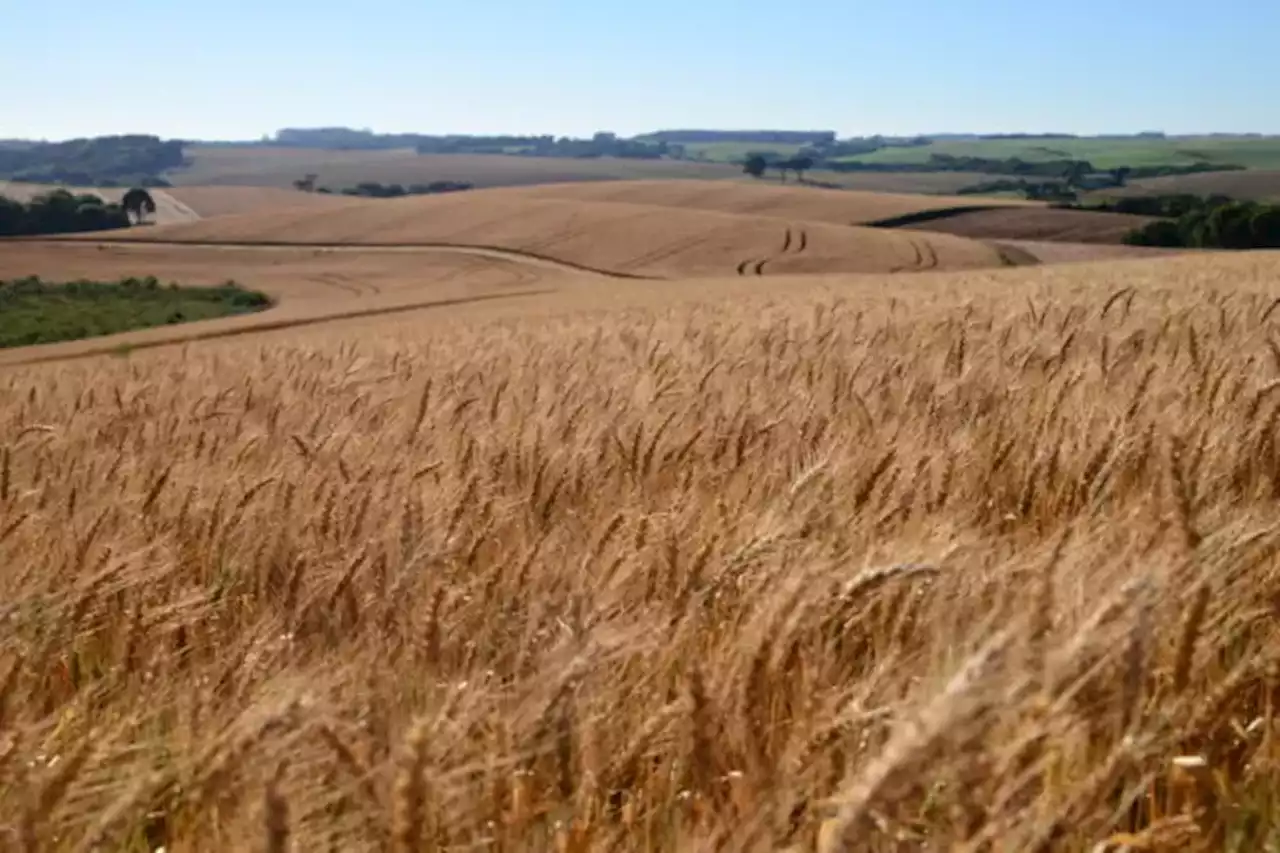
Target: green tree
{"x": 1075, "y": 173}
{"x": 138, "y": 203}
{"x": 1228, "y": 227}
{"x": 1264, "y": 228}
{"x": 1165, "y": 232}
{"x": 756, "y": 165}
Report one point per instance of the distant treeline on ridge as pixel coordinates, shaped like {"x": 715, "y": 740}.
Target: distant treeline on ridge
{"x": 103, "y": 161}
{"x": 765, "y": 137}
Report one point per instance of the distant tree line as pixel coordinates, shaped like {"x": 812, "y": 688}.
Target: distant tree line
{"x": 664, "y": 144}
{"x": 1169, "y": 206}
{"x": 753, "y": 137}
{"x": 1215, "y": 222}
{"x": 1009, "y": 185}
{"x": 1027, "y": 136}
{"x": 104, "y": 161}
{"x": 602, "y": 144}
{"x": 756, "y": 165}
{"x": 1027, "y": 168}
{"x": 59, "y": 212}
{"x": 373, "y": 189}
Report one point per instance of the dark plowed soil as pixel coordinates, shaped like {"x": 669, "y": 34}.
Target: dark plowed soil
{"x": 1055, "y": 226}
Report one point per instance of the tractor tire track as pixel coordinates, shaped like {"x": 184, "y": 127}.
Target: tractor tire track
{"x": 918, "y": 261}
{"x": 930, "y": 255}
{"x": 336, "y": 281}
{"x": 794, "y": 241}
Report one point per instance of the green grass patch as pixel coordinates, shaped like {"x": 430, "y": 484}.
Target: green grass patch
{"x": 1104, "y": 153}
{"x": 33, "y": 311}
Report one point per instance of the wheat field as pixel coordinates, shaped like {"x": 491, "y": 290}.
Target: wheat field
{"x": 972, "y": 561}
{"x": 766, "y": 198}
{"x": 610, "y": 237}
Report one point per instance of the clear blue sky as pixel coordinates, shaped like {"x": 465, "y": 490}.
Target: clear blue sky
{"x": 235, "y": 69}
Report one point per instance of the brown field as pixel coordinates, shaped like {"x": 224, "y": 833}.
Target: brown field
{"x": 1257, "y": 185}
{"x": 761, "y": 198}
{"x": 280, "y": 167}
{"x": 1048, "y": 252}
{"x": 224, "y": 201}
{"x": 983, "y": 560}
{"x": 611, "y": 237}
{"x": 1046, "y": 225}
{"x": 651, "y": 517}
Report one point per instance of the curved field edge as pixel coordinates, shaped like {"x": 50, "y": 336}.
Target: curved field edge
{"x": 930, "y": 215}
{"x": 622, "y": 238}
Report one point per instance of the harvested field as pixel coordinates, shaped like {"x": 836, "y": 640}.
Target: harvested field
{"x": 1044, "y": 225}
{"x": 607, "y": 237}
{"x": 843, "y": 207}
{"x": 978, "y": 560}
{"x": 224, "y": 201}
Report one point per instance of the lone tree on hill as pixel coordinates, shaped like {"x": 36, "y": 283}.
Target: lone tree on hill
{"x": 755, "y": 165}
{"x": 307, "y": 184}
{"x": 138, "y": 203}
{"x": 797, "y": 164}
{"x": 801, "y": 165}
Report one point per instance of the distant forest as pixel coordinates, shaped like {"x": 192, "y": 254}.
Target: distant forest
{"x": 143, "y": 160}
{"x": 103, "y": 161}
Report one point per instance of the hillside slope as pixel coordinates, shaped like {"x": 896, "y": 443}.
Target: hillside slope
{"x": 641, "y": 240}
{"x": 1059, "y": 226}
{"x": 766, "y": 198}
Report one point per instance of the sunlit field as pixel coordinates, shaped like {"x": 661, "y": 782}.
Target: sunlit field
{"x": 972, "y": 561}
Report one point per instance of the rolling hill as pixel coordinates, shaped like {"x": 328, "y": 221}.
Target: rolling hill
{"x": 609, "y": 237}
{"x": 281, "y": 166}
{"x": 1255, "y": 185}
{"x": 843, "y": 207}
{"x": 1044, "y": 224}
